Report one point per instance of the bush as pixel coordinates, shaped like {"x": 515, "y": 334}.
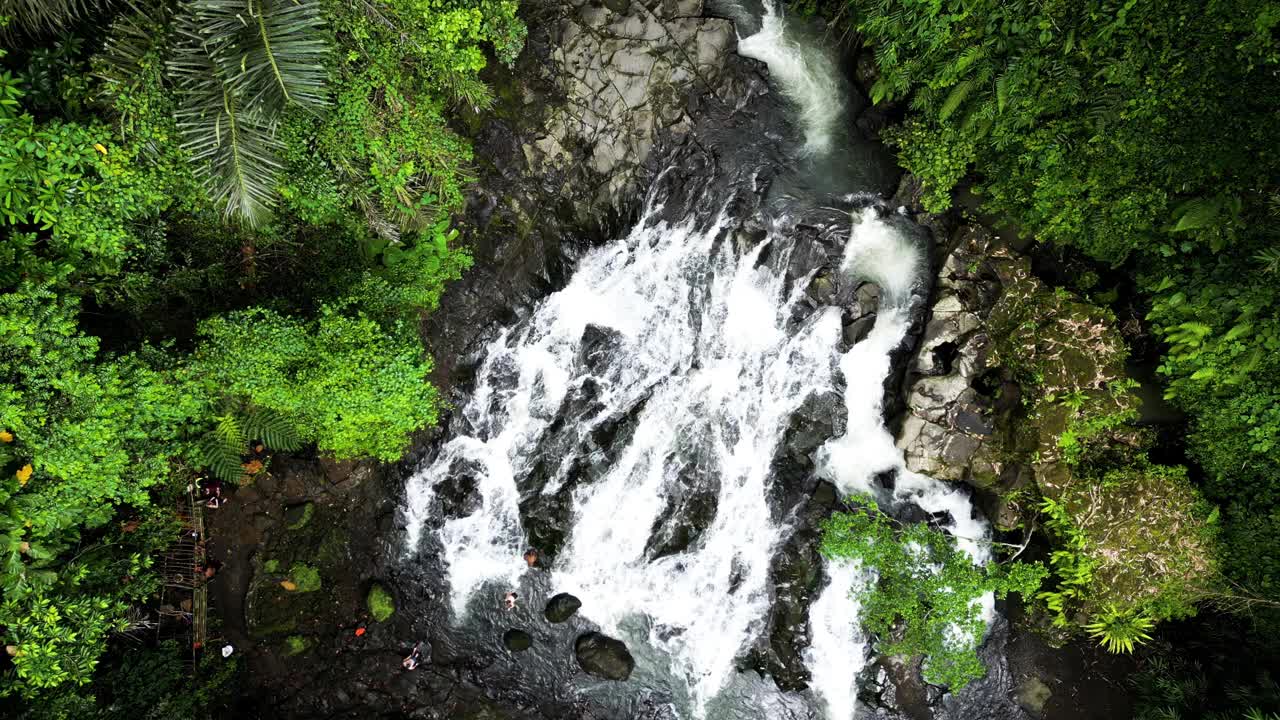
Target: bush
{"x": 923, "y": 581}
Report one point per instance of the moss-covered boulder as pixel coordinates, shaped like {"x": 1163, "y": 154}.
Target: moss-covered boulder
{"x": 380, "y": 602}
{"x": 296, "y": 645}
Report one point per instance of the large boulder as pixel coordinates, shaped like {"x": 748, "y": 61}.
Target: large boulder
{"x": 603, "y": 656}
{"x": 561, "y": 607}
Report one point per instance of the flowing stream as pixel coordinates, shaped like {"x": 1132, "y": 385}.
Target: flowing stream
{"x": 653, "y": 394}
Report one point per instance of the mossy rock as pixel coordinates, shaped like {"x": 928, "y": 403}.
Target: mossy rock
{"x": 271, "y": 566}
{"x": 381, "y": 604}
{"x": 296, "y": 645}
{"x": 305, "y": 577}
{"x": 297, "y": 517}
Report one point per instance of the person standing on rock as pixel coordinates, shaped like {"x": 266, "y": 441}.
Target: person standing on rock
{"x": 531, "y": 557}
{"x": 415, "y": 657}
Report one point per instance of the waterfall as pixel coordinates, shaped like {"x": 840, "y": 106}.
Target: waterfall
{"x": 650, "y": 397}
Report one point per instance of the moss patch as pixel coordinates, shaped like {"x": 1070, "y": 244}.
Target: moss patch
{"x": 299, "y": 516}
{"x": 271, "y": 566}
{"x": 296, "y": 645}
{"x": 381, "y": 604}
{"x": 305, "y": 577}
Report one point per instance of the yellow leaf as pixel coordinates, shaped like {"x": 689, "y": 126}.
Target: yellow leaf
{"x": 6, "y": 436}
{"x": 289, "y": 585}
{"x": 100, "y": 148}
{"x": 24, "y": 474}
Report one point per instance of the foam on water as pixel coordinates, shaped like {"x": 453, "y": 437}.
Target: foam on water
{"x": 807, "y": 74}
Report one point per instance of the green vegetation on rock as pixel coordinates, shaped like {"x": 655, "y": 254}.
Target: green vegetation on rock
{"x": 296, "y": 645}
{"x": 381, "y": 605}
{"x": 1141, "y": 135}
{"x": 920, "y": 579}
{"x": 305, "y": 577}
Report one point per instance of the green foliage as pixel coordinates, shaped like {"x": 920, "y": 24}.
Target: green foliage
{"x": 153, "y": 683}
{"x": 48, "y": 655}
{"x": 381, "y": 605}
{"x": 40, "y": 15}
{"x": 385, "y": 157}
{"x": 1133, "y": 546}
{"x": 307, "y": 578}
{"x": 223, "y": 447}
{"x": 296, "y": 645}
{"x": 940, "y": 161}
{"x": 341, "y": 381}
{"x": 1138, "y": 133}
{"x": 71, "y": 197}
{"x": 141, "y": 340}
{"x": 1119, "y": 631}
{"x": 1172, "y": 685}
{"x": 925, "y": 583}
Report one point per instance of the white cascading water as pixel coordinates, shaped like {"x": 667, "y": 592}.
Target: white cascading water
{"x": 701, "y": 342}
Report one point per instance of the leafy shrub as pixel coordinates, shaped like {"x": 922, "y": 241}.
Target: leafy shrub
{"x": 923, "y": 581}
{"x": 1137, "y": 133}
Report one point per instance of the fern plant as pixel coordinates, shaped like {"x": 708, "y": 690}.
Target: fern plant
{"x": 1120, "y": 631}
{"x": 222, "y": 449}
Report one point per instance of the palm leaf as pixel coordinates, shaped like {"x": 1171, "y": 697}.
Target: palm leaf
{"x": 233, "y": 146}
{"x": 238, "y": 65}
{"x": 271, "y": 51}
{"x": 34, "y": 16}
{"x": 135, "y": 35}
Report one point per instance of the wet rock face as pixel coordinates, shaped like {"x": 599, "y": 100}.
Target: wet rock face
{"x": 561, "y": 607}
{"x": 795, "y": 576}
{"x": 627, "y": 71}
{"x": 949, "y": 416}
{"x": 603, "y": 656}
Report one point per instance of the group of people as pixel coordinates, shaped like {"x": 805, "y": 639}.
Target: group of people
{"x": 509, "y": 600}
{"x": 211, "y": 493}
{"x": 414, "y": 658}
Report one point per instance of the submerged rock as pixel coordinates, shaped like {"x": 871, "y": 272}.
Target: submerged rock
{"x": 517, "y": 640}
{"x": 561, "y": 607}
{"x": 603, "y": 656}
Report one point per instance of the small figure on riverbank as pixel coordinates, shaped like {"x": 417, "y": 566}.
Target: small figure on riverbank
{"x": 510, "y": 600}
{"x": 415, "y": 657}
{"x": 531, "y": 557}
{"x": 211, "y": 492}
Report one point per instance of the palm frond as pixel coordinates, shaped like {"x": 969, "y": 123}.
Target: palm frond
{"x": 233, "y": 147}
{"x": 142, "y": 30}
{"x": 35, "y": 16}
{"x": 238, "y": 65}
{"x": 271, "y": 51}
